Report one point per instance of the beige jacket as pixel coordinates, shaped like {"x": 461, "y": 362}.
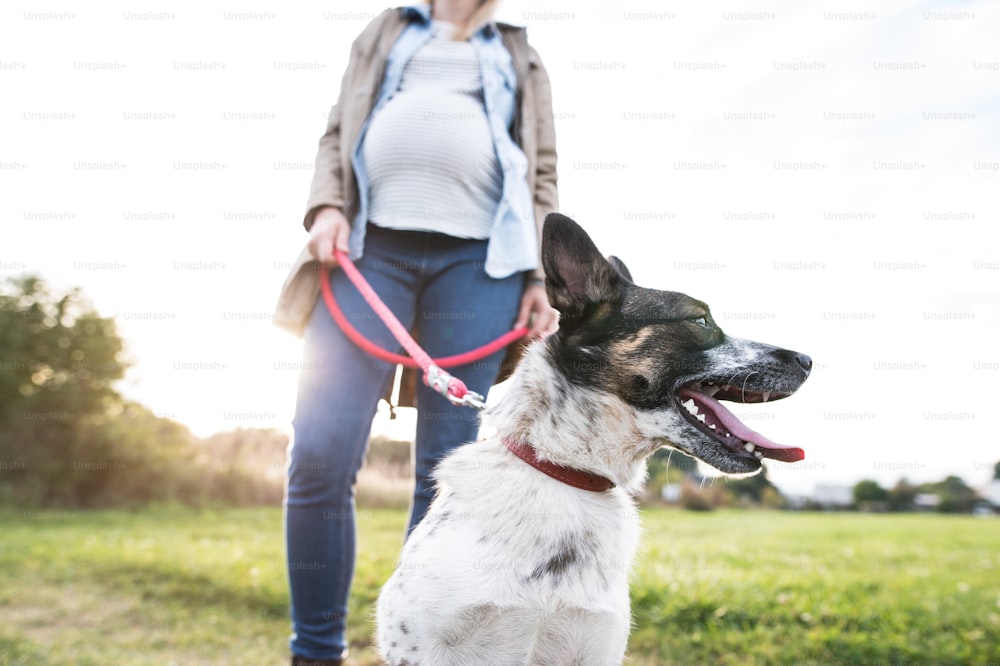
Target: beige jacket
{"x": 334, "y": 183}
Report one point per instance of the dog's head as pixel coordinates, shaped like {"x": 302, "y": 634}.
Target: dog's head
{"x": 662, "y": 353}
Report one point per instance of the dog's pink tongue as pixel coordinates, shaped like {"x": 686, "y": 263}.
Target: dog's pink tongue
{"x": 767, "y": 448}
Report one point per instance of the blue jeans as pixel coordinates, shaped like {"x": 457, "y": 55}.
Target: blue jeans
{"x": 426, "y": 278}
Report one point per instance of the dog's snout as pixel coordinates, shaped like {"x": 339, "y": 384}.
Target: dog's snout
{"x": 793, "y": 359}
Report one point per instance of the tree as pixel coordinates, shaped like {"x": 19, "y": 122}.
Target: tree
{"x": 68, "y": 438}
{"x": 756, "y": 489}
{"x": 669, "y": 466}
{"x": 956, "y": 496}
{"x": 868, "y": 494}
{"x": 901, "y": 496}
{"x": 59, "y": 360}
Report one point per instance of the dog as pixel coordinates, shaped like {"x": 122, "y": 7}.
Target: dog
{"x": 525, "y": 552}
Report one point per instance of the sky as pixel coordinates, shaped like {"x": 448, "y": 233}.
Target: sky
{"x": 826, "y": 179}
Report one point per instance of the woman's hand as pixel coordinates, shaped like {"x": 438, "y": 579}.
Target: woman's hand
{"x": 330, "y": 229}
{"x": 535, "y": 309}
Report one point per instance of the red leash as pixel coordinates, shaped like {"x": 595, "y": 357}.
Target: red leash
{"x": 434, "y": 376}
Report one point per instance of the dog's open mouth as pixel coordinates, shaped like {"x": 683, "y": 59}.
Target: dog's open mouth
{"x": 703, "y": 409}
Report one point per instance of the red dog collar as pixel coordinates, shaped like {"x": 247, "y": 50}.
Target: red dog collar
{"x": 571, "y": 477}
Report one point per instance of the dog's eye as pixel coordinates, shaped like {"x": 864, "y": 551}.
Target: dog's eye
{"x": 701, "y": 321}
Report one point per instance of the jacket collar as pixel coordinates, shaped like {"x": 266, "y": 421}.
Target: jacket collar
{"x": 418, "y": 12}
{"x": 421, "y": 11}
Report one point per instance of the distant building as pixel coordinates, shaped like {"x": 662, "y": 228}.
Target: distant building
{"x": 926, "y": 501}
{"x": 671, "y": 493}
{"x": 832, "y": 495}
{"x": 991, "y": 493}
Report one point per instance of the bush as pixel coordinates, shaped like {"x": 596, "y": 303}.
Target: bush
{"x": 693, "y": 499}
{"x": 390, "y": 457}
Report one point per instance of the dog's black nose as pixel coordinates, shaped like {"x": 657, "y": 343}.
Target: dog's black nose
{"x": 804, "y": 361}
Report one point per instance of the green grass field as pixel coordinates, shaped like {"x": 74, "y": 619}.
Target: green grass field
{"x": 172, "y": 586}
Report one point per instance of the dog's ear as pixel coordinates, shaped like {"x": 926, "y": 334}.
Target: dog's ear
{"x": 620, "y": 268}
{"x": 577, "y": 275}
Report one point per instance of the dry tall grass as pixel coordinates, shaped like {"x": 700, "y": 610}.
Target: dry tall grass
{"x": 386, "y": 480}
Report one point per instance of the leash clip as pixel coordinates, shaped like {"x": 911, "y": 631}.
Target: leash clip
{"x": 470, "y": 399}
{"x": 452, "y": 388}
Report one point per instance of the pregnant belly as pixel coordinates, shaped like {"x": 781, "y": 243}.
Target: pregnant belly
{"x": 444, "y": 134}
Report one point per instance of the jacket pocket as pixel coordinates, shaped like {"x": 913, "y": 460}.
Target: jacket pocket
{"x": 298, "y": 295}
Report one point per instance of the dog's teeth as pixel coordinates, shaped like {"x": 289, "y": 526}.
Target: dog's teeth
{"x": 701, "y": 417}
{"x": 711, "y": 391}
{"x": 749, "y": 447}
{"x": 760, "y": 456}
{"x": 767, "y": 396}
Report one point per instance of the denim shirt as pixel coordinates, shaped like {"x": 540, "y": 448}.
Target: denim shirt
{"x": 512, "y": 245}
